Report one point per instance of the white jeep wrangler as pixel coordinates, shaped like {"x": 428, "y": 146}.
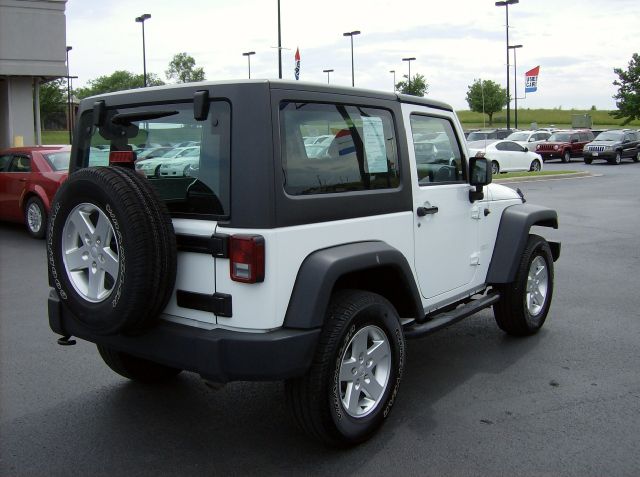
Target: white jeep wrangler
{"x": 271, "y": 252}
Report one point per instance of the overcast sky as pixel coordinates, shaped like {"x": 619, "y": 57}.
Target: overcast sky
{"x": 576, "y": 43}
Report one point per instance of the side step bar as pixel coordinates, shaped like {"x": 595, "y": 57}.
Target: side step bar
{"x": 418, "y": 330}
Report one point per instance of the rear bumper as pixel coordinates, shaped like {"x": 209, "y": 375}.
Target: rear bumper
{"x": 219, "y": 355}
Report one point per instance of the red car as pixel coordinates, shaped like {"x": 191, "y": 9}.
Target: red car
{"x": 564, "y": 144}
{"x": 29, "y": 178}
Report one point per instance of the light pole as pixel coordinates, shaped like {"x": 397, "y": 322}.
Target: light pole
{"x": 141, "y": 19}
{"x": 351, "y": 34}
{"x": 279, "y": 44}
{"x": 327, "y": 71}
{"x": 394, "y": 79}
{"x": 515, "y": 75}
{"x": 409, "y": 60}
{"x": 248, "y": 55}
{"x": 69, "y": 48}
{"x": 506, "y": 4}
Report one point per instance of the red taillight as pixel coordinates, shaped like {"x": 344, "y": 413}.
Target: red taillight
{"x": 246, "y": 258}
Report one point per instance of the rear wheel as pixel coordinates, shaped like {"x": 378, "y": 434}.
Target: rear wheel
{"x": 636, "y": 158}
{"x": 566, "y": 156}
{"x": 35, "y": 216}
{"x": 134, "y": 368}
{"x": 495, "y": 168}
{"x": 524, "y": 304}
{"x": 352, "y": 384}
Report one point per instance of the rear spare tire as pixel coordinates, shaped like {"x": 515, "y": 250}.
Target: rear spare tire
{"x": 111, "y": 250}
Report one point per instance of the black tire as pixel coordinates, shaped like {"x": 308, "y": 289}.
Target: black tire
{"x": 141, "y": 249}
{"x": 35, "y": 218}
{"x": 512, "y": 313}
{"x": 495, "y": 168}
{"x": 316, "y": 399}
{"x": 535, "y": 166}
{"x": 588, "y": 160}
{"x": 566, "y": 157}
{"x": 156, "y": 171}
{"x": 636, "y": 157}
{"x": 134, "y": 368}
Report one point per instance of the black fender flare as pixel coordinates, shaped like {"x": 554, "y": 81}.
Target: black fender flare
{"x": 513, "y": 233}
{"x": 321, "y": 269}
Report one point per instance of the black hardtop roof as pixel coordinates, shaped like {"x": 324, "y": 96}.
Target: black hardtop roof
{"x": 123, "y": 97}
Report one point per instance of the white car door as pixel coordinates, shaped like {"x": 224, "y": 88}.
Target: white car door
{"x": 446, "y": 223}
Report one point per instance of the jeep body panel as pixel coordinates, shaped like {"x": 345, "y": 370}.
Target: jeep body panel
{"x": 515, "y": 223}
{"x": 322, "y": 269}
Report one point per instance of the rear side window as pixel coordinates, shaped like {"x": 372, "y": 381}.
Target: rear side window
{"x": 187, "y": 161}
{"x": 332, "y": 148}
{"x": 20, "y": 164}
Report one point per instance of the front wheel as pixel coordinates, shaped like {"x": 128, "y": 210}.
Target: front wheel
{"x": 535, "y": 166}
{"x": 35, "y": 216}
{"x": 566, "y": 157}
{"x": 618, "y": 158}
{"x": 524, "y": 304}
{"x": 353, "y": 381}
{"x": 588, "y": 160}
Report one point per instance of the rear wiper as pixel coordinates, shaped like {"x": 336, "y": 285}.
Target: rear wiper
{"x": 128, "y": 118}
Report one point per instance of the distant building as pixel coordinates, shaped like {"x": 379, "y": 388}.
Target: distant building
{"x": 32, "y": 50}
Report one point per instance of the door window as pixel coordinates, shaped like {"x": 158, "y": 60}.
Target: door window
{"x": 20, "y": 164}
{"x": 438, "y": 154}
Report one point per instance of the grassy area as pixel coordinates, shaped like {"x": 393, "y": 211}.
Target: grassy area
{"x": 544, "y": 118}
{"x": 511, "y": 175}
{"x": 55, "y": 137}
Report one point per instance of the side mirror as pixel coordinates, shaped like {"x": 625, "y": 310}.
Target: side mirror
{"x": 479, "y": 176}
{"x": 526, "y": 149}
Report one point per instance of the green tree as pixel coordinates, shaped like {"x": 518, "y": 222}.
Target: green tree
{"x": 486, "y": 96}
{"x": 116, "y": 81}
{"x": 53, "y": 96}
{"x": 183, "y": 69}
{"x": 418, "y": 86}
{"x": 628, "y": 96}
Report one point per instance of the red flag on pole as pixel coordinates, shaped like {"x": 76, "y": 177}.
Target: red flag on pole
{"x": 297, "y": 69}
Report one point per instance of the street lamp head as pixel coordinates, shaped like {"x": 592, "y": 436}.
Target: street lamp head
{"x": 142, "y": 18}
{"x": 506, "y": 2}
{"x": 513, "y": 47}
{"x": 408, "y": 59}
{"x": 249, "y": 53}
{"x": 392, "y": 71}
{"x": 327, "y": 71}
{"x": 69, "y": 48}
{"x": 351, "y": 33}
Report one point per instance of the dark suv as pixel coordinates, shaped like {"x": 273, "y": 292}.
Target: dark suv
{"x": 613, "y": 146}
{"x": 564, "y": 144}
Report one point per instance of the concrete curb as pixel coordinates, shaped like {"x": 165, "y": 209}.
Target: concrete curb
{"x": 545, "y": 178}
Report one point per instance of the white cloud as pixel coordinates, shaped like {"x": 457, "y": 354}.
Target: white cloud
{"x": 576, "y": 44}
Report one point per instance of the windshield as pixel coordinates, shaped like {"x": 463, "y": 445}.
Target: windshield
{"x": 159, "y": 136}
{"x": 519, "y": 136}
{"x": 610, "y": 136}
{"x": 560, "y": 137}
{"x": 59, "y": 161}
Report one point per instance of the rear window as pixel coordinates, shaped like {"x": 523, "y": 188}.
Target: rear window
{"x": 187, "y": 161}
{"x": 59, "y": 161}
{"x": 356, "y": 149}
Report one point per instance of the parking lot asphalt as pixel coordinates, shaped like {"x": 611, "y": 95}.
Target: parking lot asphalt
{"x": 473, "y": 401}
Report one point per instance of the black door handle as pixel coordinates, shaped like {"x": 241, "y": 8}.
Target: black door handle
{"x": 422, "y": 211}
